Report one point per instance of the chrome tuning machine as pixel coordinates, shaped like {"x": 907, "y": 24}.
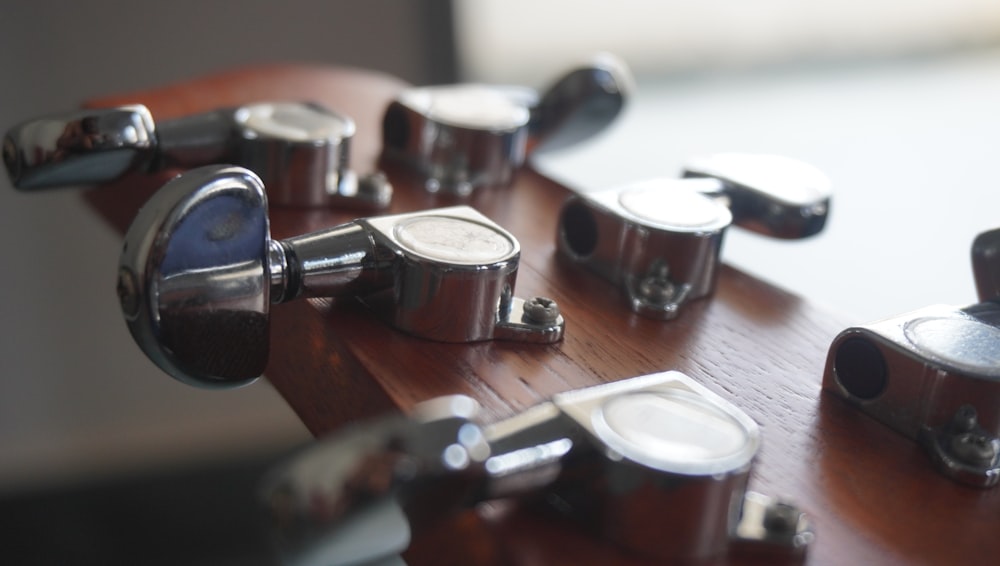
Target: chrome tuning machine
{"x": 657, "y": 464}
{"x": 465, "y": 136}
{"x": 300, "y": 150}
{"x": 199, "y": 272}
{"x": 660, "y": 240}
{"x": 933, "y": 375}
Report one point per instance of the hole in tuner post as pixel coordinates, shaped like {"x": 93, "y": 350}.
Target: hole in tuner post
{"x": 860, "y": 368}
{"x": 578, "y": 229}
{"x": 395, "y": 127}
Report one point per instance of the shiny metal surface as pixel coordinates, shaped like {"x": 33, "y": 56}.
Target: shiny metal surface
{"x": 919, "y": 372}
{"x": 359, "y": 495}
{"x": 199, "y": 271}
{"x": 659, "y": 241}
{"x": 770, "y": 194}
{"x": 193, "y": 277}
{"x": 462, "y": 137}
{"x": 82, "y": 147}
{"x": 300, "y": 150}
{"x": 986, "y": 265}
{"x": 302, "y": 153}
{"x": 610, "y": 456}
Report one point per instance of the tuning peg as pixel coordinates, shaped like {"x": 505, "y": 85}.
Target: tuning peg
{"x": 199, "y": 272}
{"x": 660, "y": 240}
{"x": 986, "y": 265}
{"x": 933, "y": 375}
{"x": 301, "y": 150}
{"x": 465, "y": 136}
{"x": 610, "y": 456}
{"x": 772, "y": 195}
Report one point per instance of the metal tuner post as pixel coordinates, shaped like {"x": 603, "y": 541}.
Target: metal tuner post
{"x": 300, "y": 150}
{"x": 462, "y": 137}
{"x": 933, "y": 375}
{"x": 656, "y": 464}
{"x": 660, "y": 240}
{"x": 199, "y": 272}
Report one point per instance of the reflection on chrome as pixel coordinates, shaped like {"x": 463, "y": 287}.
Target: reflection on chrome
{"x": 463, "y": 137}
{"x": 659, "y": 241}
{"x": 300, "y": 150}
{"x": 415, "y": 470}
{"x": 933, "y": 374}
{"x": 238, "y": 286}
{"x": 199, "y": 272}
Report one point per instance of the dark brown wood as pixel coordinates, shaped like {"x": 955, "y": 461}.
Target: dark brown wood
{"x": 872, "y": 495}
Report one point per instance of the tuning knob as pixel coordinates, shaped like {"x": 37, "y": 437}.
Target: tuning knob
{"x": 461, "y": 137}
{"x": 611, "y": 456}
{"x": 301, "y": 150}
{"x": 772, "y": 195}
{"x": 933, "y": 375}
{"x": 986, "y": 265}
{"x": 660, "y": 240}
{"x": 199, "y": 272}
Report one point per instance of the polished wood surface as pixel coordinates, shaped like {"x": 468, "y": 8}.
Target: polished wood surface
{"x": 871, "y": 494}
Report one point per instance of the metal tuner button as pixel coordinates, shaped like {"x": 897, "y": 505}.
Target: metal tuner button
{"x": 656, "y": 464}
{"x": 462, "y": 137}
{"x": 300, "y": 150}
{"x": 199, "y": 272}
{"x": 660, "y": 240}
{"x": 933, "y": 375}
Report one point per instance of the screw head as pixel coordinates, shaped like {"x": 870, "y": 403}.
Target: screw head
{"x": 965, "y": 419}
{"x": 540, "y": 310}
{"x": 657, "y": 290}
{"x": 974, "y": 448}
{"x": 781, "y": 517}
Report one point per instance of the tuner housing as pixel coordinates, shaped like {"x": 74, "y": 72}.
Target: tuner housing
{"x": 933, "y": 375}
{"x": 660, "y": 240}
{"x": 199, "y": 272}
{"x": 610, "y": 456}
{"x": 461, "y": 137}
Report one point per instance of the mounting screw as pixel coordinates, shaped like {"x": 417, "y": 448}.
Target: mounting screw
{"x": 969, "y": 443}
{"x": 656, "y": 287}
{"x": 375, "y": 187}
{"x": 656, "y": 290}
{"x": 540, "y": 310}
{"x": 781, "y": 518}
{"x": 973, "y": 448}
{"x": 965, "y": 419}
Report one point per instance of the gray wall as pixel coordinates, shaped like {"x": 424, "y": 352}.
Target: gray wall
{"x": 76, "y": 396}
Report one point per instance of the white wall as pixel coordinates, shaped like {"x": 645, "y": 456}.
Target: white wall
{"x": 656, "y": 37}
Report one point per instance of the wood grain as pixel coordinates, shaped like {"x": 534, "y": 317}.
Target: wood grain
{"x": 871, "y": 494}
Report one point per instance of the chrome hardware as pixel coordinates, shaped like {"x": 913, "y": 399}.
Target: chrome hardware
{"x": 462, "y": 137}
{"x": 199, "y": 272}
{"x": 300, "y": 150}
{"x": 933, "y": 375}
{"x": 610, "y": 456}
{"x": 986, "y": 265}
{"x": 769, "y": 194}
{"x": 660, "y": 240}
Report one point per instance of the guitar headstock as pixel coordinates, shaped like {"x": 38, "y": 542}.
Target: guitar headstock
{"x": 756, "y": 346}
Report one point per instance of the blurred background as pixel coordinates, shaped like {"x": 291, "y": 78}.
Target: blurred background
{"x": 895, "y": 100}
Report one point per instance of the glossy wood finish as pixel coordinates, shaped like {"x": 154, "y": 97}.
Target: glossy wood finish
{"x": 872, "y": 495}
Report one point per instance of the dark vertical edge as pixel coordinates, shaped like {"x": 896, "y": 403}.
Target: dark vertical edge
{"x": 439, "y": 25}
